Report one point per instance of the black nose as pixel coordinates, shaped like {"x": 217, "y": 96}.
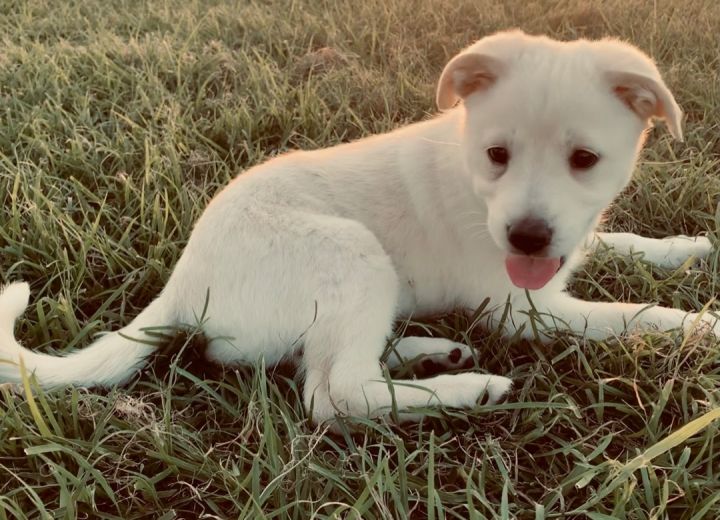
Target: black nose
{"x": 530, "y": 235}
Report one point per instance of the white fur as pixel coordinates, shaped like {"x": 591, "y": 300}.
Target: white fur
{"x": 328, "y": 248}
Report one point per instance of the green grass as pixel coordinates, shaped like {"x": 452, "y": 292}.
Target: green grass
{"x": 120, "y": 120}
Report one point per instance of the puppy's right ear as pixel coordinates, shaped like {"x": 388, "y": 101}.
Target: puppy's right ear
{"x": 465, "y": 74}
{"x": 648, "y": 98}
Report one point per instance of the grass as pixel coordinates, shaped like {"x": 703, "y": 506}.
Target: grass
{"x": 120, "y": 120}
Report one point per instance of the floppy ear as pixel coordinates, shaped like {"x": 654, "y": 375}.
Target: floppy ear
{"x": 648, "y": 98}
{"x": 464, "y": 74}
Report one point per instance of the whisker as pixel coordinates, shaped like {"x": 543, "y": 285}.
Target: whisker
{"x": 475, "y": 225}
{"x": 479, "y": 235}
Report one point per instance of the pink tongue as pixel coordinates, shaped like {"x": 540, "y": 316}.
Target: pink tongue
{"x": 531, "y": 272}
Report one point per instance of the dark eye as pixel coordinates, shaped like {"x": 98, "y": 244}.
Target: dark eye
{"x": 498, "y": 155}
{"x": 583, "y": 159}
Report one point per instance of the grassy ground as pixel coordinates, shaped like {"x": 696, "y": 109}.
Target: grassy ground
{"x": 121, "y": 119}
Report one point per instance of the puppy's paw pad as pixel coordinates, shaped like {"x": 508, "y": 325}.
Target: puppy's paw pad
{"x": 452, "y": 356}
{"x": 455, "y": 355}
{"x": 430, "y": 366}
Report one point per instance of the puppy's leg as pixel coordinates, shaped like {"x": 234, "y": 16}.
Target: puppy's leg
{"x": 599, "y": 320}
{"x": 670, "y": 252}
{"x": 356, "y": 308}
{"x": 428, "y": 354}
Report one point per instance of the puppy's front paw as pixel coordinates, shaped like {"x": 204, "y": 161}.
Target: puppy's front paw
{"x": 680, "y": 248}
{"x": 466, "y": 390}
{"x": 498, "y": 388}
{"x": 705, "y": 323}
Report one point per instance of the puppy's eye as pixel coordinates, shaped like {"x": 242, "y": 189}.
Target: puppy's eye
{"x": 498, "y": 155}
{"x": 583, "y": 159}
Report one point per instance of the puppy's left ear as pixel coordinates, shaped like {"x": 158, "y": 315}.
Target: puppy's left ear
{"x": 465, "y": 74}
{"x": 648, "y": 98}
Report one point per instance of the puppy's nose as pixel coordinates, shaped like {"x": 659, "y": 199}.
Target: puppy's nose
{"x": 530, "y": 235}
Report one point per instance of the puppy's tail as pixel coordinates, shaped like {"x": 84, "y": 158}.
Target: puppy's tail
{"x": 111, "y": 360}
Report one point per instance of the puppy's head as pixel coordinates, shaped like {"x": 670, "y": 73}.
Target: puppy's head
{"x": 551, "y": 135}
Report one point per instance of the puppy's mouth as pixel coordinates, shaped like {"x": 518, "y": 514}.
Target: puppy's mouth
{"x": 532, "y": 272}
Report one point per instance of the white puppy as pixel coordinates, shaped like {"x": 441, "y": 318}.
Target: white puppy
{"x": 326, "y": 249}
